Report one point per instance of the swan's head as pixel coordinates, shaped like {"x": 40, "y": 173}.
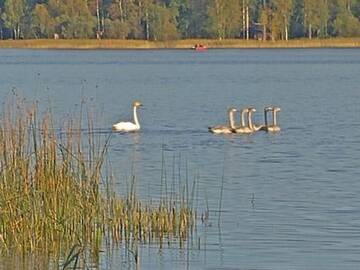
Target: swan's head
{"x": 269, "y": 108}
{"x": 137, "y": 104}
{"x": 277, "y": 109}
{"x": 251, "y": 109}
{"x": 245, "y": 109}
{"x": 232, "y": 110}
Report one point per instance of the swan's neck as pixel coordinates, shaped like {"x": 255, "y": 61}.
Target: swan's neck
{"x": 274, "y": 118}
{"x": 265, "y": 118}
{"x": 231, "y": 120}
{"x": 136, "y": 120}
{"x": 243, "y": 118}
{"x": 250, "y": 123}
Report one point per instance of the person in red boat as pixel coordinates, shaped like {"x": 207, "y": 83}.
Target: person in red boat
{"x": 199, "y": 47}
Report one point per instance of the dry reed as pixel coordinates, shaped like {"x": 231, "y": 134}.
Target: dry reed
{"x": 178, "y": 44}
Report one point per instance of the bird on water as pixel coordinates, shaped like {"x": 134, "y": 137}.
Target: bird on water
{"x": 225, "y": 129}
{"x": 274, "y": 126}
{"x": 129, "y": 126}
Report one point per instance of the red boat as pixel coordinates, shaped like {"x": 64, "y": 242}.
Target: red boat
{"x": 199, "y": 47}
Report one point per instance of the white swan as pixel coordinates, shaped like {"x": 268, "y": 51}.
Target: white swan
{"x": 129, "y": 126}
{"x": 225, "y": 129}
{"x": 274, "y": 127}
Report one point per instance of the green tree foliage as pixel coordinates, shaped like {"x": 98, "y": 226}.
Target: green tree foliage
{"x": 265, "y": 17}
{"x": 316, "y": 17}
{"x": 297, "y": 20}
{"x": 346, "y": 24}
{"x": 162, "y": 23}
{"x": 120, "y": 18}
{"x": 42, "y": 24}
{"x": 284, "y": 10}
{"x": 173, "y": 19}
{"x": 224, "y": 18}
{"x": 276, "y": 16}
{"x": 216, "y": 14}
{"x": 198, "y": 18}
{"x": 72, "y": 18}
{"x": 356, "y": 9}
{"x": 13, "y": 15}
{"x": 181, "y": 10}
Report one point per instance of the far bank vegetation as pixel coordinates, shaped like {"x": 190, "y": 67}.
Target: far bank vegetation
{"x": 161, "y": 20}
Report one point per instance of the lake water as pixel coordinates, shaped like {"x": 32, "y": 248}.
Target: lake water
{"x": 290, "y": 200}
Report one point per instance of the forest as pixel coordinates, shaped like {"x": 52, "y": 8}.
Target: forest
{"x": 179, "y": 19}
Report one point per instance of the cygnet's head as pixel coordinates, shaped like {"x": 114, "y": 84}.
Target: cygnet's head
{"x": 137, "y": 104}
{"x": 251, "y": 109}
{"x": 232, "y": 110}
{"x": 277, "y": 109}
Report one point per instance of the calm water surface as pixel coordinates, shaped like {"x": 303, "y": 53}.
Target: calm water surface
{"x": 290, "y": 200}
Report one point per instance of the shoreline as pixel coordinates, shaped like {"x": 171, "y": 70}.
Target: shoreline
{"x": 91, "y": 44}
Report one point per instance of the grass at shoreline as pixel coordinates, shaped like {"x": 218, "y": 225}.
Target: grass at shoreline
{"x": 177, "y": 44}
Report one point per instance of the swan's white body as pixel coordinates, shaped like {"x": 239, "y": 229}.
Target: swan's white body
{"x": 129, "y": 126}
{"x": 274, "y": 127}
{"x": 225, "y": 129}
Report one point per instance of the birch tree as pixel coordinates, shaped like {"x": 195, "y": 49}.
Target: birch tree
{"x": 316, "y": 15}
{"x": 284, "y": 9}
{"x": 14, "y": 11}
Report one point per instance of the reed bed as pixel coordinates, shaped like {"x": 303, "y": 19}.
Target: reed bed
{"x": 56, "y": 201}
{"x": 178, "y": 44}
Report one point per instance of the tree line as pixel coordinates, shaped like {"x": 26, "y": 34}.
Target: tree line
{"x": 179, "y": 19}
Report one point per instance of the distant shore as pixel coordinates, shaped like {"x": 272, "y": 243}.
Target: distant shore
{"x": 176, "y": 44}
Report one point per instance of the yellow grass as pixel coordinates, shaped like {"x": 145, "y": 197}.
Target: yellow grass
{"x": 177, "y": 44}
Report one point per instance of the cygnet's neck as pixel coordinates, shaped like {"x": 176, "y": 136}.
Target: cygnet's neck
{"x": 265, "y": 118}
{"x": 274, "y": 117}
{"x": 231, "y": 119}
{"x": 243, "y": 111}
{"x": 250, "y": 123}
